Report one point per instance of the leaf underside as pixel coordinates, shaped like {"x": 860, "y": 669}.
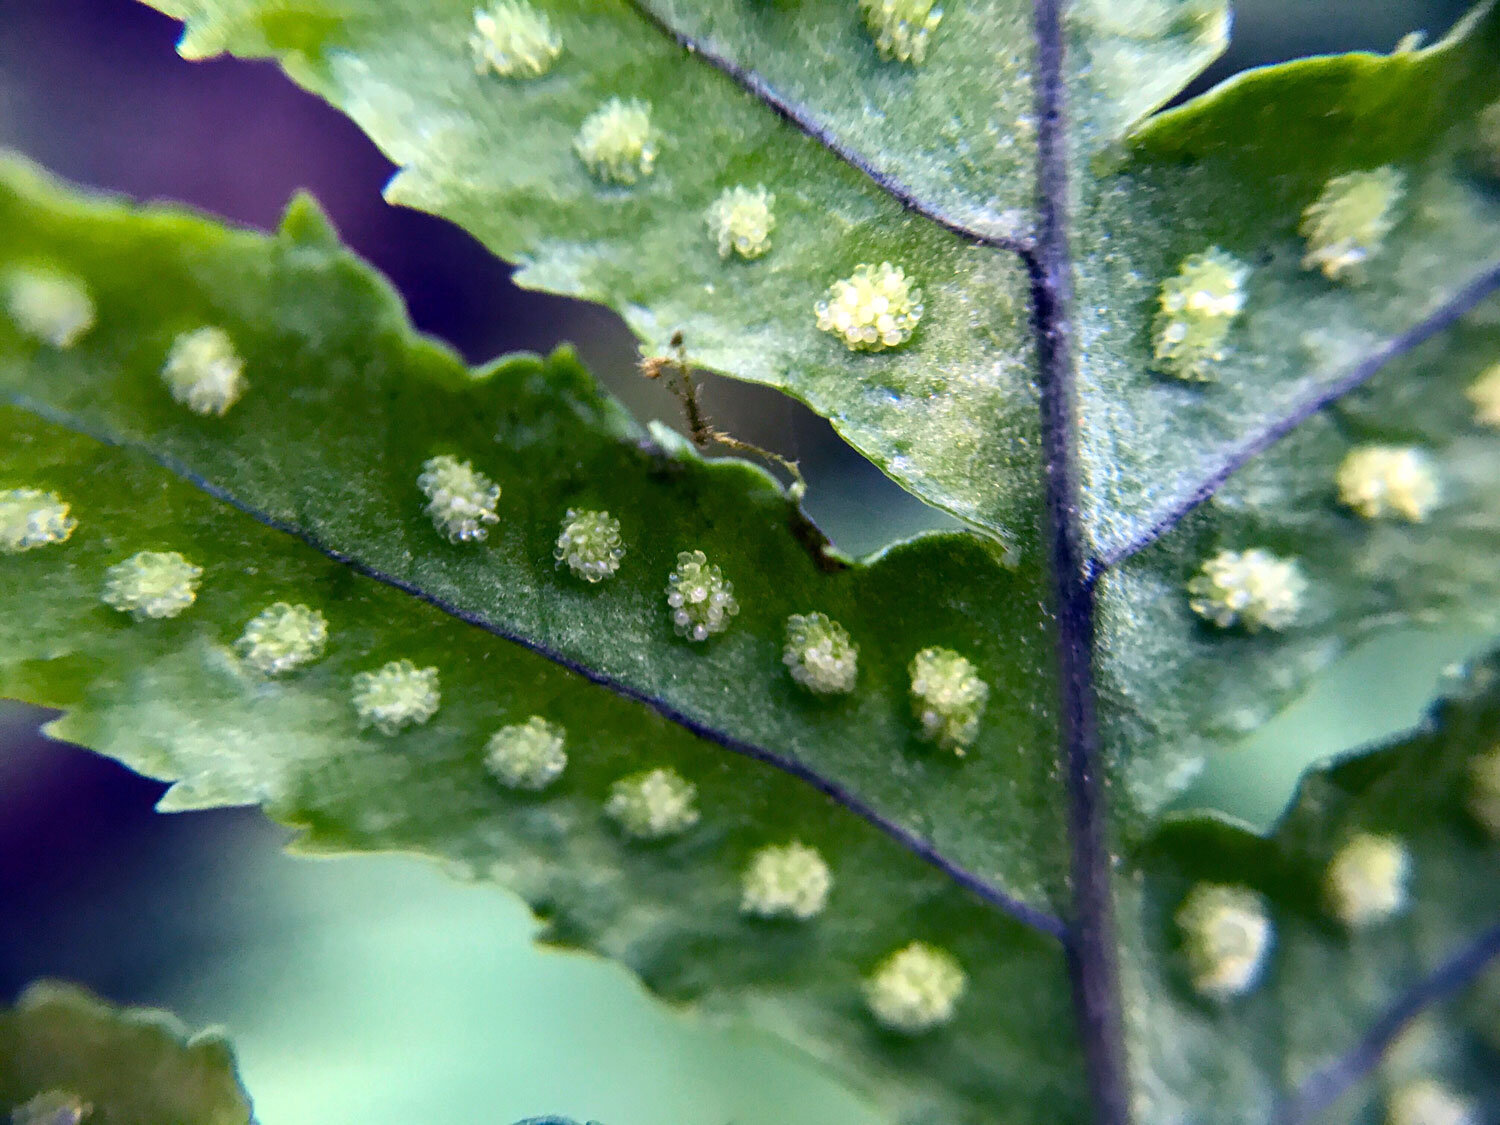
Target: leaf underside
{"x": 173, "y": 700}
{"x": 1325, "y": 985}
{"x": 932, "y": 167}
{"x": 305, "y": 491}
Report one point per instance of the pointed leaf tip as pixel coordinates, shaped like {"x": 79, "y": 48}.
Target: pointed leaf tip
{"x": 306, "y": 222}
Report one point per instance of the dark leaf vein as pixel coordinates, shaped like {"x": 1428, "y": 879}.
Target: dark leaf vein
{"x": 1320, "y": 1091}
{"x": 1257, "y": 442}
{"x": 803, "y": 119}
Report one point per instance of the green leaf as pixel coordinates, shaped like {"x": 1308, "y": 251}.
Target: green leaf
{"x": 172, "y": 700}
{"x": 868, "y": 163}
{"x": 876, "y": 160}
{"x": 497, "y": 157}
{"x": 1344, "y": 1017}
{"x": 342, "y": 406}
{"x": 1236, "y": 169}
{"x": 1315, "y": 372}
{"x": 66, "y": 1056}
{"x": 953, "y": 139}
{"x": 345, "y": 406}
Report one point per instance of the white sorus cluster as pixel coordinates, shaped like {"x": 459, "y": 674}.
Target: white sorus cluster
{"x": 396, "y": 695}
{"x": 901, "y": 27}
{"x": 1366, "y": 880}
{"x": 1226, "y": 935}
{"x": 514, "y": 40}
{"x": 527, "y": 755}
{"x": 282, "y": 637}
{"x": 616, "y": 142}
{"x": 1387, "y": 480}
{"x": 460, "y": 500}
{"x": 590, "y": 544}
{"x": 874, "y": 308}
{"x": 152, "y": 584}
{"x": 700, "y": 598}
{"x": 1346, "y": 225}
{"x": 740, "y": 221}
{"x": 786, "y": 881}
{"x": 1425, "y": 1101}
{"x": 31, "y": 518}
{"x": 1251, "y": 588}
{"x": 1197, "y": 308}
{"x": 50, "y": 307}
{"x": 1484, "y": 393}
{"x": 1484, "y": 790}
{"x": 653, "y": 805}
{"x": 947, "y": 696}
{"x": 916, "y": 988}
{"x": 819, "y": 654}
{"x": 204, "y": 372}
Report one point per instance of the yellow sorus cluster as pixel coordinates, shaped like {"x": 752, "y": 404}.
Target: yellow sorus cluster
{"x": 948, "y": 697}
{"x": 874, "y": 308}
{"x": 1197, "y": 308}
{"x": 50, "y": 307}
{"x": 527, "y": 755}
{"x": 1484, "y": 393}
{"x": 1347, "y": 224}
{"x": 1366, "y": 881}
{"x": 514, "y": 40}
{"x": 1252, "y": 588}
{"x": 700, "y": 597}
{"x": 1426, "y": 1101}
{"x": 590, "y": 544}
{"x": 1226, "y": 935}
{"x": 916, "y": 988}
{"x": 786, "y": 881}
{"x": 616, "y": 142}
{"x": 31, "y": 518}
{"x": 282, "y": 637}
{"x": 460, "y": 500}
{"x": 152, "y": 584}
{"x": 740, "y": 221}
{"x": 1388, "y": 481}
{"x": 396, "y": 695}
{"x": 901, "y": 28}
{"x": 204, "y": 372}
{"x": 820, "y": 655}
{"x": 653, "y": 805}
{"x": 1484, "y": 790}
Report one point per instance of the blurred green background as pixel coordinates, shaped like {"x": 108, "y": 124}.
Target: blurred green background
{"x": 382, "y": 990}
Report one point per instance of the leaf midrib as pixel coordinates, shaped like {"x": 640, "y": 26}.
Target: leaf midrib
{"x": 1111, "y": 552}
{"x": 1075, "y": 569}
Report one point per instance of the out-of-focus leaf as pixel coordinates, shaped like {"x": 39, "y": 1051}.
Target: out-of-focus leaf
{"x": 1343, "y": 1017}
{"x": 67, "y": 1057}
